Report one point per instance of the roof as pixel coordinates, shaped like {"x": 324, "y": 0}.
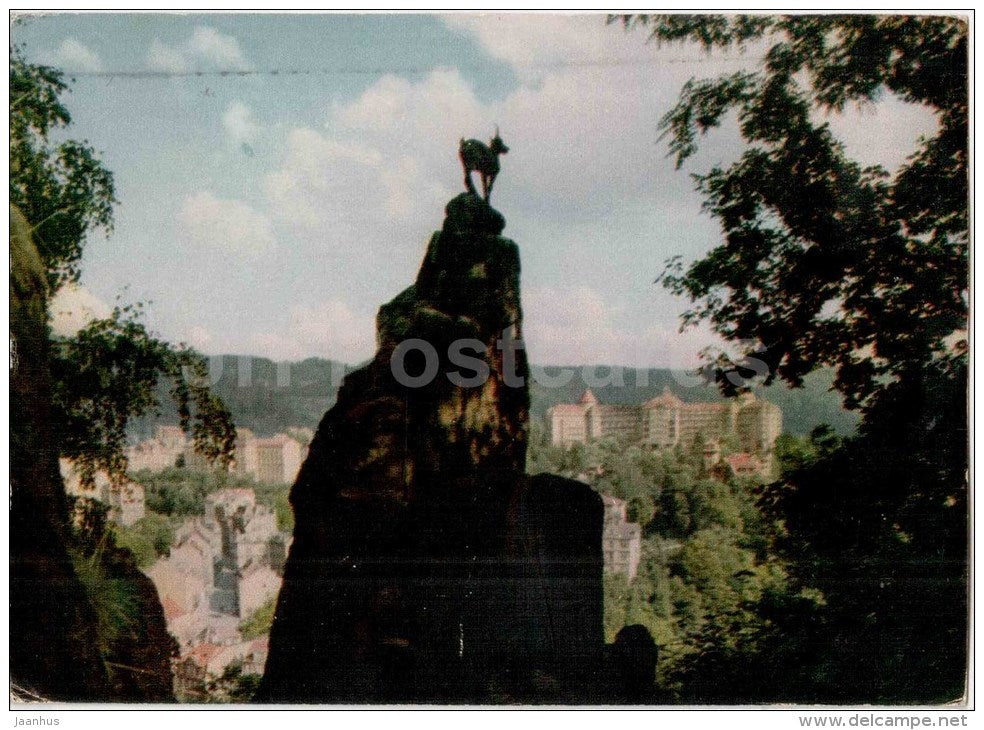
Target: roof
{"x": 607, "y": 499}
{"x": 588, "y": 397}
{"x": 666, "y": 398}
{"x": 622, "y": 531}
{"x": 171, "y": 608}
{"x": 743, "y": 462}
{"x": 567, "y": 408}
{"x": 204, "y": 653}
{"x": 232, "y": 493}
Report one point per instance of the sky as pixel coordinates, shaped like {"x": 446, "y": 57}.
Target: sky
{"x": 279, "y": 176}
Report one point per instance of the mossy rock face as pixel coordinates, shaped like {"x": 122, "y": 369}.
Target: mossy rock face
{"x": 415, "y": 573}
{"x": 395, "y": 319}
{"x": 52, "y": 654}
{"x": 400, "y": 479}
{"x": 56, "y": 623}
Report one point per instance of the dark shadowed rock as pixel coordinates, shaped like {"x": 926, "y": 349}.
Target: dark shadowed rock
{"x": 426, "y": 567}
{"x": 140, "y": 656}
{"x": 54, "y": 635}
{"x": 52, "y": 623}
{"x": 554, "y": 642}
{"x": 631, "y": 666}
{"x": 469, "y": 213}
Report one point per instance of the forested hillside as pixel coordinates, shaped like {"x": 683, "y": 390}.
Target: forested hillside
{"x": 267, "y": 397}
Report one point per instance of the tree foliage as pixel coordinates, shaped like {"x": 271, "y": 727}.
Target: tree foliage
{"x": 106, "y": 374}
{"x": 179, "y": 493}
{"x": 259, "y": 622}
{"x": 825, "y": 261}
{"x": 149, "y": 538}
{"x": 61, "y": 187}
{"x": 233, "y": 685}
{"x": 708, "y": 568}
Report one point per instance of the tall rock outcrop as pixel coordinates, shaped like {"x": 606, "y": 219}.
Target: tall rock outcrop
{"x": 52, "y": 655}
{"x": 426, "y": 567}
{"x": 59, "y": 650}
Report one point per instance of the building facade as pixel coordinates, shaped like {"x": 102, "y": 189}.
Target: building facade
{"x": 621, "y": 540}
{"x": 167, "y": 448}
{"x": 666, "y": 421}
{"x": 219, "y": 570}
{"x": 274, "y": 460}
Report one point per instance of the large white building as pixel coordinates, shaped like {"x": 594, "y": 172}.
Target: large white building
{"x": 666, "y": 421}
{"x": 274, "y": 460}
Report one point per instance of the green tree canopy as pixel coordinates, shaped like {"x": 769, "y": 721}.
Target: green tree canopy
{"x": 61, "y": 187}
{"x": 107, "y": 373}
{"x": 825, "y": 261}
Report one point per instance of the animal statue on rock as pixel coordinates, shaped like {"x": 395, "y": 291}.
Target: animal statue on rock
{"x": 484, "y": 159}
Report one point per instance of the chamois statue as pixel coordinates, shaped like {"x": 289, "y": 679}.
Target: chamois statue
{"x": 484, "y": 160}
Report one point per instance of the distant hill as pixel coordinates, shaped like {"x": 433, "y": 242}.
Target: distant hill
{"x": 267, "y": 397}
{"x": 263, "y": 395}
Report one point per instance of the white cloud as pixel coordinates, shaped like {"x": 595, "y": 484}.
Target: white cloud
{"x": 883, "y": 133}
{"x": 330, "y": 329}
{"x": 606, "y": 79}
{"x": 230, "y": 225}
{"x": 223, "y": 50}
{"x": 535, "y": 45}
{"x": 348, "y": 187}
{"x": 335, "y": 329}
{"x": 585, "y": 177}
{"x": 200, "y": 338}
{"x": 205, "y": 46}
{"x": 577, "y": 325}
{"x": 73, "y": 307}
{"x": 162, "y": 57}
{"x": 575, "y": 322}
{"x": 75, "y": 56}
{"x": 239, "y": 124}
{"x": 391, "y": 154}
{"x": 372, "y": 184}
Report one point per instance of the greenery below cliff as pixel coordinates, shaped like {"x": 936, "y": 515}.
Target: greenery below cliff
{"x": 707, "y": 563}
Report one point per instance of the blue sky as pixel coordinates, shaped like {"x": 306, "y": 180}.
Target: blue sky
{"x": 271, "y": 212}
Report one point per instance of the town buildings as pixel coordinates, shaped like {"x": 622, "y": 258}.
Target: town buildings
{"x": 667, "y": 421}
{"x": 621, "y": 540}
{"x": 273, "y": 460}
{"x": 224, "y": 565}
{"x": 168, "y": 447}
{"x": 220, "y": 571}
{"x": 220, "y": 565}
{"x": 206, "y": 661}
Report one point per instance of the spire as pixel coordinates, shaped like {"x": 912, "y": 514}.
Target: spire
{"x": 666, "y": 399}
{"x": 588, "y": 397}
